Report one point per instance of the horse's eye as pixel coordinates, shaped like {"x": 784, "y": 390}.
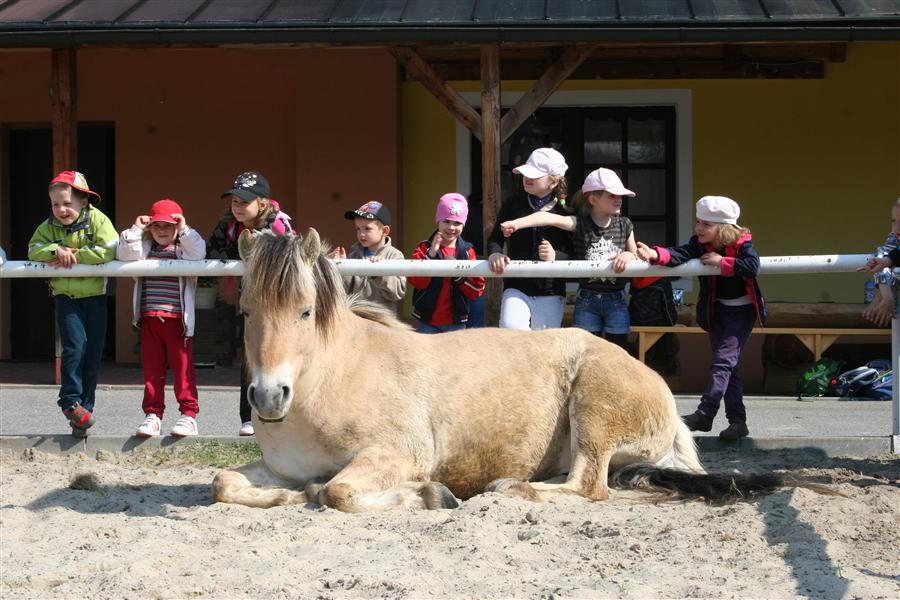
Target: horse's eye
{"x": 243, "y": 313}
{"x": 306, "y": 313}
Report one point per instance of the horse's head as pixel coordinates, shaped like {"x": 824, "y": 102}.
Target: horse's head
{"x": 287, "y": 298}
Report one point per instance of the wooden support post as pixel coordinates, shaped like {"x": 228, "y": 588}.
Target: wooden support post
{"x": 63, "y": 105}
{"x": 440, "y": 89}
{"x": 490, "y": 166}
{"x": 543, "y": 88}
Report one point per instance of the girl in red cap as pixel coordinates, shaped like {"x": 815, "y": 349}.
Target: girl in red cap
{"x": 76, "y": 233}
{"x": 164, "y": 312}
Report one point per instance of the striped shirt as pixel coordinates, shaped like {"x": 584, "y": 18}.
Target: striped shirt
{"x": 160, "y": 296}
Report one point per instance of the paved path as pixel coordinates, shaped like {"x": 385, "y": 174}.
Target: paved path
{"x": 837, "y": 427}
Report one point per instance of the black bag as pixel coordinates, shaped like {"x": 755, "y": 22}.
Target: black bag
{"x": 653, "y": 304}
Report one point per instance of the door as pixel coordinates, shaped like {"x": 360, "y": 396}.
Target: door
{"x": 32, "y": 329}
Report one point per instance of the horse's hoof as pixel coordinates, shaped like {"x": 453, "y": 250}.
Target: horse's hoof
{"x": 437, "y": 495}
{"x": 312, "y": 490}
{"x": 501, "y": 485}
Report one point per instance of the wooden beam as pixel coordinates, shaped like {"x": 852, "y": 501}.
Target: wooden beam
{"x": 64, "y": 108}
{"x": 490, "y": 166}
{"x": 439, "y": 88}
{"x": 542, "y": 89}
{"x": 63, "y": 104}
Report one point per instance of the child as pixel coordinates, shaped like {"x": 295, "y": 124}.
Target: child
{"x": 442, "y": 303}
{"x": 164, "y": 311}
{"x": 600, "y": 232}
{"x": 251, "y": 207}
{"x": 76, "y": 233}
{"x": 533, "y": 303}
{"x": 372, "y": 221}
{"x": 728, "y": 305}
{"x": 881, "y": 310}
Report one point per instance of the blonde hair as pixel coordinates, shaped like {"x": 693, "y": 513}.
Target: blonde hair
{"x": 727, "y": 234}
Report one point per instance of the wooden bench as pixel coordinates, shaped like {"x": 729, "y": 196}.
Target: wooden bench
{"x": 816, "y": 339}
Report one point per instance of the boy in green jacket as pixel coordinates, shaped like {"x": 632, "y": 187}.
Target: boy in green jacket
{"x": 76, "y": 233}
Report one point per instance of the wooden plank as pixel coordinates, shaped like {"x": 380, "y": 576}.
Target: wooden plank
{"x": 439, "y": 88}
{"x": 63, "y": 103}
{"x": 549, "y": 82}
{"x": 64, "y": 109}
{"x": 490, "y": 166}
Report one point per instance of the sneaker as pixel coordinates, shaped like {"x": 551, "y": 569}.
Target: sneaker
{"x": 150, "y": 427}
{"x": 78, "y": 416}
{"x": 79, "y": 432}
{"x": 246, "y": 428}
{"x": 735, "y": 431}
{"x": 185, "y": 426}
{"x": 697, "y": 421}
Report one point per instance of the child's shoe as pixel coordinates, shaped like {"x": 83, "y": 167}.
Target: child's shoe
{"x": 150, "y": 427}
{"x": 185, "y": 426}
{"x": 78, "y": 416}
{"x": 79, "y": 432}
{"x": 246, "y": 428}
{"x": 735, "y": 431}
{"x": 698, "y": 421}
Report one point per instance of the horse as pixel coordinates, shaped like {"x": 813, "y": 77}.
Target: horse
{"x": 354, "y": 410}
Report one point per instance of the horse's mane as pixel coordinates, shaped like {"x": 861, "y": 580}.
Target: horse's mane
{"x": 277, "y": 276}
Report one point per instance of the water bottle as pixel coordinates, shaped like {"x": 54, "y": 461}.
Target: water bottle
{"x": 677, "y": 296}
{"x": 869, "y": 291}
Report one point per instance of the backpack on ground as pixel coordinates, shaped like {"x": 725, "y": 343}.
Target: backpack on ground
{"x": 816, "y": 381}
{"x": 872, "y": 381}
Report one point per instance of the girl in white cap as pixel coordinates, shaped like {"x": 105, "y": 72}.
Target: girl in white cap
{"x": 728, "y": 306}
{"x": 533, "y": 303}
{"x": 600, "y": 232}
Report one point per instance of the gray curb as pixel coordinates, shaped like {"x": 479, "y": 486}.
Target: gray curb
{"x": 66, "y": 444}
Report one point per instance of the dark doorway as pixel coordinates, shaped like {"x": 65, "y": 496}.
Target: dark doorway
{"x": 30, "y": 169}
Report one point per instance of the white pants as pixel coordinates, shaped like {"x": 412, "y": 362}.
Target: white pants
{"x": 519, "y": 311}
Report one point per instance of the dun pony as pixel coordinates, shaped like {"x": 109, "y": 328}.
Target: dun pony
{"x": 354, "y": 410}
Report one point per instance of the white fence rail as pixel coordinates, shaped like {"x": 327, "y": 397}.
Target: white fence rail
{"x": 823, "y": 263}
{"x": 784, "y": 265}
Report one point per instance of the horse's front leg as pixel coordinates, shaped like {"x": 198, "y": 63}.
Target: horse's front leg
{"x": 380, "y": 480}
{"x": 255, "y": 485}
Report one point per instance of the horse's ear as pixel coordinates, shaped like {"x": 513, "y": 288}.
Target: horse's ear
{"x": 245, "y": 244}
{"x": 311, "y": 246}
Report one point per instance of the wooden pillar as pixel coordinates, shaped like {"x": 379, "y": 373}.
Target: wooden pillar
{"x": 63, "y": 105}
{"x": 490, "y": 165}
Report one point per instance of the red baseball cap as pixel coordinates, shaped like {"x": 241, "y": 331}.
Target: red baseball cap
{"x": 162, "y": 211}
{"x": 76, "y": 180}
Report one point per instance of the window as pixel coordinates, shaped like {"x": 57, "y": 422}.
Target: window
{"x": 638, "y": 142}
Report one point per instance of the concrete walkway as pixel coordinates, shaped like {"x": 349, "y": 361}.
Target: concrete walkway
{"x": 29, "y": 416}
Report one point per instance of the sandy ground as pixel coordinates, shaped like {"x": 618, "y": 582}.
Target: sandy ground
{"x": 149, "y": 530}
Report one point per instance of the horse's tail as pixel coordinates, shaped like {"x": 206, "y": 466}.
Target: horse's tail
{"x": 712, "y": 487}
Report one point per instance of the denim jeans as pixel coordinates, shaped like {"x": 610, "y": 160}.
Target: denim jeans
{"x": 426, "y": 328}
{"x": 602, "y": 311}
{"x": 82, "y": 334}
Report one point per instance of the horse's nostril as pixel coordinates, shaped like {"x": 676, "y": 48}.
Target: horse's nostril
{"x": 285, "y": 391}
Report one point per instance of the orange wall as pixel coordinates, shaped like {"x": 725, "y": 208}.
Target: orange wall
{"x": 320, "y": 124}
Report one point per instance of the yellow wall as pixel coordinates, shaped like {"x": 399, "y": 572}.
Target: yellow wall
{"x": 815, "y": 164}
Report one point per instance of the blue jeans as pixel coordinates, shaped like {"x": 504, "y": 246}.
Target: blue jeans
{"x": 82, "y": 334}
{"x": 602, "y": 311}
{"x": 426, "y": 328}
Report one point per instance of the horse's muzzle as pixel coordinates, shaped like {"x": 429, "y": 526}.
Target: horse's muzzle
{"x": 271, "y": 399}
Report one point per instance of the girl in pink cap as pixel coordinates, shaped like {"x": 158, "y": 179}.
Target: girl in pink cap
{"x": 442, "y": 303}
{"x": 599, "y": 232}
{"x": 164, "y": 312}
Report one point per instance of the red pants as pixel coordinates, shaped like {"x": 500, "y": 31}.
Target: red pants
{"x": 163, "y": 343}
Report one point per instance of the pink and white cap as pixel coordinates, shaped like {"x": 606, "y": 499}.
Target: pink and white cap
{"x": 452, "y": 207}
{"x": 543, "y": 161}
{"x": 605, "y": 179}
